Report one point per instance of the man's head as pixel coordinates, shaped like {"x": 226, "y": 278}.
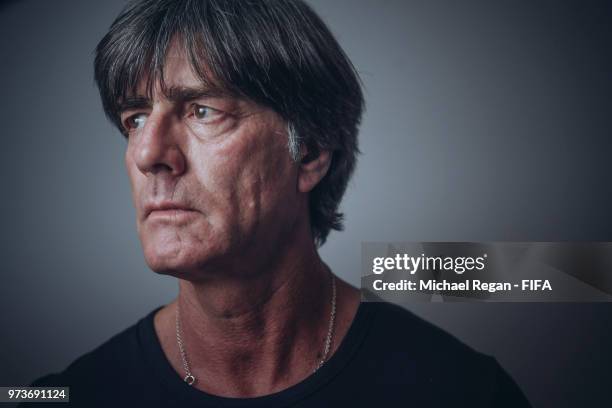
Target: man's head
{"x": 244, "y": 113}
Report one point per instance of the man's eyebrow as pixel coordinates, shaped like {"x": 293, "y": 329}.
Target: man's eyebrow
{"x": 134, "y": 102}
{"x": 175, "y": 94}
{"x": 181, "y": 94}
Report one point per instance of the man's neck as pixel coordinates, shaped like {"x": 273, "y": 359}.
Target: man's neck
{"x": 253, "y": 336}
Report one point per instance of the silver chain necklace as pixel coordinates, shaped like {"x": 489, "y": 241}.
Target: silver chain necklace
{"x": 190, "y": 378}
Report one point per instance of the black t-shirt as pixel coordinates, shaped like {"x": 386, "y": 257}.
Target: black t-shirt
{"x": 389, "y": 358}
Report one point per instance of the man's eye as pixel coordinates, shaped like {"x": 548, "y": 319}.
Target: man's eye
{"x": 136, "y": 121}
{"x": 201, "y": 112}
{"x": 206, "y": 114}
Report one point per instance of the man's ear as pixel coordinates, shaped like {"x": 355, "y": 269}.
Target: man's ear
{"x": 313, "y": 167}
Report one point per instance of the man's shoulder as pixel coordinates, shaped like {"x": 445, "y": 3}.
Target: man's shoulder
{"x": 407, "y": 346}
{"x": 111, "y": 361}
{"x": 116, "y": 370}
{"x": 398, "y": 327}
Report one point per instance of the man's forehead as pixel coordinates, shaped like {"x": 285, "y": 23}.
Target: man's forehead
{"x": 177, "y": 79}
{"x": 173, "y": 89}
{"x": 173, "y": 78}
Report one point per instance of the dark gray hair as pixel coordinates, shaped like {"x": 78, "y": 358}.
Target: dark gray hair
{"x": 277, "y": 53}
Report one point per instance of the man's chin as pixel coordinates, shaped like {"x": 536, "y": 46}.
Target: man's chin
{"x": 177, "y": 262}
{"x": 164, "y": 259}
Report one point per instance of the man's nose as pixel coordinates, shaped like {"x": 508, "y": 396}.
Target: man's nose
{"x": 158, "y": 147}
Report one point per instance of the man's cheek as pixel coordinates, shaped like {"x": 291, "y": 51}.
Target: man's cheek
{"x": 219, "y": 177}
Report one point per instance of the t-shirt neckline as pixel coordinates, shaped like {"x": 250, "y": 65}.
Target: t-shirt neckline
{"x": 163, "y": 370}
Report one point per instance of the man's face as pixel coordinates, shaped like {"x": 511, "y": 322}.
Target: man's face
{"x": 211, "y": 175}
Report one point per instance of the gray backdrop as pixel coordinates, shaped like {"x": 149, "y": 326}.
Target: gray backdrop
{"x": 485, "y": 121}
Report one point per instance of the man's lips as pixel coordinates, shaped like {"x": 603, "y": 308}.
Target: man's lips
{"x": 167, "y": 209}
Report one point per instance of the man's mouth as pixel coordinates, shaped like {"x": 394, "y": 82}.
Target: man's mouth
{"x": 168, "y": 209}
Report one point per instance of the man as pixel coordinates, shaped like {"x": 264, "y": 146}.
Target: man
{"x": 241, "y": 121}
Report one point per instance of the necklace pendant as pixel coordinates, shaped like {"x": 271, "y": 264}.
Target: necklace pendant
{"x": 189, "y": 379}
